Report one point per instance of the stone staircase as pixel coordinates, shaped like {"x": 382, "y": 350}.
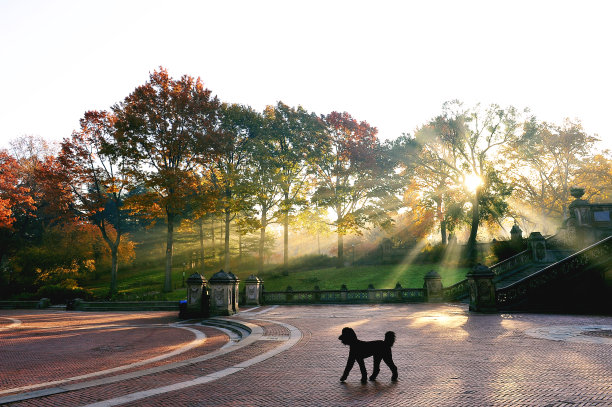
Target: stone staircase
{"x": 529, "y": 268}
{"x": 568, "y": 281}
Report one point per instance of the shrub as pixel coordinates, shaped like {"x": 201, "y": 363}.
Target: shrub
{"x": 504, "y": 249}
{"x": 59, "y": 294}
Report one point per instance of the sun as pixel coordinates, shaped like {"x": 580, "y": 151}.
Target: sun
{"x": 472, "y": 182}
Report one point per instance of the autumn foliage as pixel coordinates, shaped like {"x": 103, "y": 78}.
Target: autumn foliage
{"x": 172, "y": 157}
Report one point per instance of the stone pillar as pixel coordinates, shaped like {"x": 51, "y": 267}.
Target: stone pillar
{"x": 221, "y": 286}
{"x": 398, "y": 292}
{"x": 371, "y": 293}
{"x": 252, "y": 290}
{"x": 343, "y": 292}
{"x": 516, "y": 235}
{"x": 537, "y": 243}
{"x": 482, "y": 289}
{"x": 235, "y": 291}
{"x": 433, "y": 285}
{"x": 197, "y": 296}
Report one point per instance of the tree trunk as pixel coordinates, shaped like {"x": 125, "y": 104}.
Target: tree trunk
{"x": 262, "y": 238}
{"x": 286, "y": 234}
{"x": 340, "y": 259}
{"x": 442, "y": 221}
{"x": 201, "y": 230}
{"x": 114, "y": 268}
{"x": 319, "y": 242}
{"x": 239, "y": 247}
{"x": 169, "y": 251}
{"x": 212, "y": 234}
{"x": 227, "y": 240}
{"x": 471, "y": 243}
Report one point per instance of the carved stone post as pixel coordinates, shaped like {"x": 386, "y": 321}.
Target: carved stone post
{"x": 538, "y": 247}
{"x": 433, "y": 285}
{"x": 516, "y": 236}
{"x": 371, "y": 293}
{"x": 197, "y": 296}
{"x": 221, "y": 286}
{"x": 398, "y": 291}
{"x": 482, "y": 289}
{"x": 235, "y": 292}
{"x": 252, "y": 290}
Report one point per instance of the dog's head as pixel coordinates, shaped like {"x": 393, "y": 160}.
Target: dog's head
{"x": 348, "y": 336}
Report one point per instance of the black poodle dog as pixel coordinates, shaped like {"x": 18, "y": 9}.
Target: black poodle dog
{"x": 359, "y": 350}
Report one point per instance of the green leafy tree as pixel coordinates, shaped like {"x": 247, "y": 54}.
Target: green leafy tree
{"x": 354, "y": 177}
{"x": 462, "y": 150}
{"x": 267, "y": 193}
{"x": 230, "y": 175}
{"x": 546, "y": 161}
{"x": 294, "y": 138}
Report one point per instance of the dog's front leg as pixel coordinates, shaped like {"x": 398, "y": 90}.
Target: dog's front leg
{"x": 364, "y": 373}
{"x": 349, "y": 365}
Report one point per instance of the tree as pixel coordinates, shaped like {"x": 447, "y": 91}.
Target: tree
{"x": 461, "y": 149}
{"x": 294, "y": 138}
{"x": 547, "y": 161}
{"x": 99, "y": 178}
{"x": 241, "y": 125}
{"x": 165, "y": 128}
{"x": 14, "y": 197}
{"x": 353, "y": 176}
{"x": 267, "y": 193}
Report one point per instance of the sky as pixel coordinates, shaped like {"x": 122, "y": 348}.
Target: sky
{"x": 391, "y": 63}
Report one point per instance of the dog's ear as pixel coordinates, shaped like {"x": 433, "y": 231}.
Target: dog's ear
{"x": 348, "y": 335}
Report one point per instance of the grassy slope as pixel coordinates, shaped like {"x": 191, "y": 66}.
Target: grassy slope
{"x": 143, "y": 280}
{"x": 384, "y": 276}
{"x": 145, "y": 284}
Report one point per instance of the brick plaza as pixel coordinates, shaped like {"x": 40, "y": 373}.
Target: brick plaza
{"x": 446, "y": 355}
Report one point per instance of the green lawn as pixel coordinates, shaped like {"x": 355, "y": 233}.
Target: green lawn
{"x": 384, "y": 276}
{"x": 146, "y": 283}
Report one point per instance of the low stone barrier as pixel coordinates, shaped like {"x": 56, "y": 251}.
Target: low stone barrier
{"x": 345, "y": 296}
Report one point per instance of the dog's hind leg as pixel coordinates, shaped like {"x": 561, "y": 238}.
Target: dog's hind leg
{"x": 376, "y": 367}
{"x": 364, "y": 372}
{"x": 389, "y": 361}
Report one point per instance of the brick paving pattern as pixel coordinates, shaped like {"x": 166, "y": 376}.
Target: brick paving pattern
{"x": 446, "y": 356}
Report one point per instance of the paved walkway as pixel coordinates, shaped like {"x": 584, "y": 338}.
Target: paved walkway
{"x": 446, "y": 356}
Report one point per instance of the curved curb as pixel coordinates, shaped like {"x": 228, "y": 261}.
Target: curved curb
{"x": 294, "y": 336}
{"x": 200, "y": 338}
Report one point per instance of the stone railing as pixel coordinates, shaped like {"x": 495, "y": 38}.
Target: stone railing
{"x": 345, "y": 296}
{"x": 511, "y": 263}
{"x": 456, "y": 291}
{"x": 521, "y": 289}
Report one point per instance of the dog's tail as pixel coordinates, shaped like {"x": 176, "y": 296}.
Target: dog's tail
{"x": 390, "y": 338}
